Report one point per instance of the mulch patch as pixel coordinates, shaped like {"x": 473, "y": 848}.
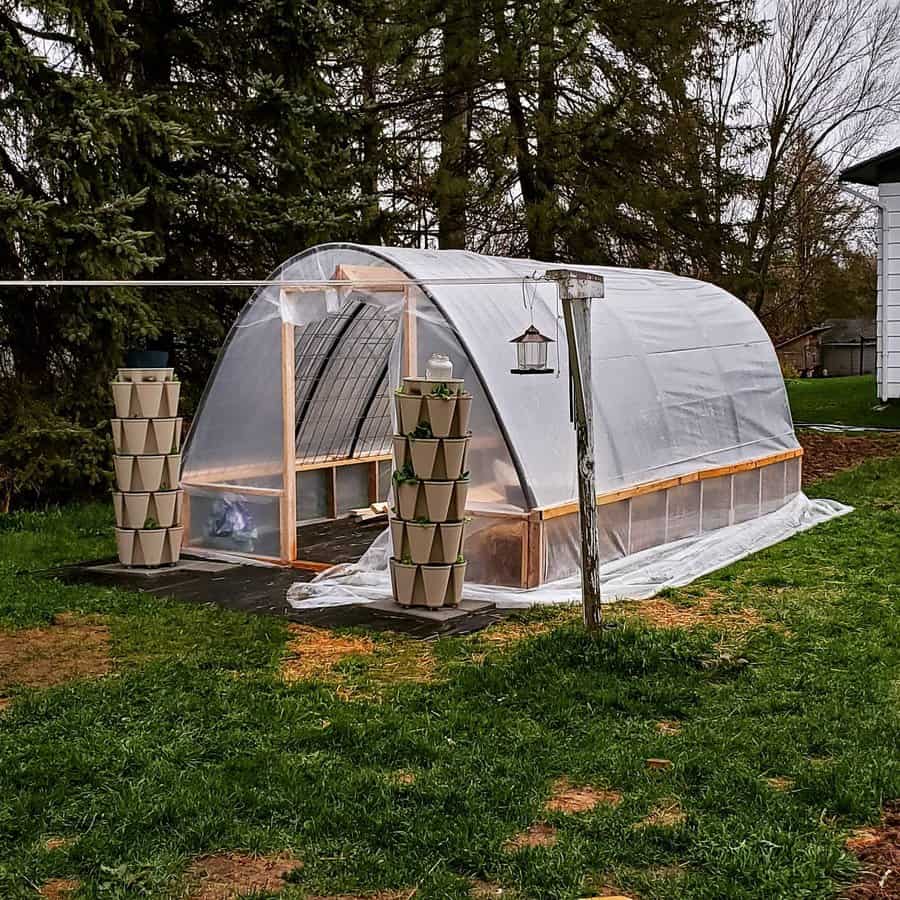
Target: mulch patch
{"x": 827, "y": 454}
{"x": 878, "y": 852}
{"x": 67, "y": 649}
{"x": 226, "y": 876}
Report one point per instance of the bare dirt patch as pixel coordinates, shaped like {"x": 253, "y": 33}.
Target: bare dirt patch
{"x": 828, "y": 454}
{"x": 878, "y": 852}
{"x": 569, "y": 799}
{"x": 666, "y": 814}
{"x": 314, "y": 652}
{"x": 224, "y": 876}
{"x": 702, "y": 611}
{"x": 538, "y": 835}
{"x": 668, "y": 727}
{"x": 59, "y": 888}
{"x": 68, "y": 649}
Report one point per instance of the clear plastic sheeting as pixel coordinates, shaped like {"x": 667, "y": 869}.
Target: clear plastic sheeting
{"x": 633, "y": 577}
{"x": 693, "y": 433}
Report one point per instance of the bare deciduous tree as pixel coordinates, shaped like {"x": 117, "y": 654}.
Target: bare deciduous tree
{"x": 825, "y": 83}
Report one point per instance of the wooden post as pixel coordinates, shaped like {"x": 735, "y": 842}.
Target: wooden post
{"x": 288, "y": 507}
{"x": 409, "y": 325}
{"x": 576, "y": 290}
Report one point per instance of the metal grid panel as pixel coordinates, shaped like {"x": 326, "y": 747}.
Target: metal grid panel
{"x": 342, "y": 396}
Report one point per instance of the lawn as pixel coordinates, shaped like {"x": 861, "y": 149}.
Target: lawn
{"x": 841, "y": 401}
{"x": 397, "y": 766}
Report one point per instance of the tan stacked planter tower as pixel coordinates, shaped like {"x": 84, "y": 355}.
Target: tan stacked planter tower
{"x": 430, "y": 488}
{"x": 147, "y": 441}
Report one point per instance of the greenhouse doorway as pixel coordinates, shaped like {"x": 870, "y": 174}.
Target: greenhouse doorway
{"x": 342, "y": 413}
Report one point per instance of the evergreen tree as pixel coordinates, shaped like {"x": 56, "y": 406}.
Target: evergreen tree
{"x": 150, "y": 139}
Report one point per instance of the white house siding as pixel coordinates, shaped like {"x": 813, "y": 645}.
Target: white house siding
{"x": 888, "y": 346}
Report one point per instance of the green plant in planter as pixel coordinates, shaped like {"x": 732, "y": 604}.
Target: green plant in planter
{"x": 460, "y": 559}
{"x": 422, "y": 433}
{"x": 407, "y": 560}
{"x": 421, "y": 521}
{"x": 442, "y": 391}
{"x": 399, "y": 390}
{"x": 150, "y": 522}
{"x": 464, "y": 476}
{"x": 406, "y": 475}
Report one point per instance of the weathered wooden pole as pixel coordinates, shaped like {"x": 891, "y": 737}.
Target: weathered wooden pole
{"x": 576, "y": 290}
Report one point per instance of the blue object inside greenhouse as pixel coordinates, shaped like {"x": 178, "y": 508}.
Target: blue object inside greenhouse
{"x": 232, "y": 521}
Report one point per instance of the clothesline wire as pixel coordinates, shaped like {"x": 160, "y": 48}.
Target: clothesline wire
{"x": 369, "y": 284}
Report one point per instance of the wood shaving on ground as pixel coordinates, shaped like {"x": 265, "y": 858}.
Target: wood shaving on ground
{"x": 486, "y": 890}
{"x": 59, "y": 888}
{"x": 227, "y": 876}
{"x": 314, "y": 652}
{"x": 538, "y": 835}
{"x": 667, "y": 814}
{"x": 668, "y": 727}
{"x": 402, "y": 777}
{"x": 662, "y": 613}
{"x": 828, "y": 454}
{"x": 569, "y": 799}
{"x": 69, "y": 648}
{"x": 780, "y": 783}
{"x": 371, "y": 895}
{"x": 509, "y": 632}
{"x": 878, "y": 852}
{"x": 58, "y": 843}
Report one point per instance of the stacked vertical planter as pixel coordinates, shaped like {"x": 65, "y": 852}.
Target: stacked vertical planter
{"x": 431, "y": 485}
{"x": 147, "y": 441}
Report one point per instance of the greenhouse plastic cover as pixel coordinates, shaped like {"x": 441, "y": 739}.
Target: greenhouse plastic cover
{"x": 685, "y": 378}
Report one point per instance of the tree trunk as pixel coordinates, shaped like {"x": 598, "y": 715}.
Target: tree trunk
{"x": 461, "y": 35}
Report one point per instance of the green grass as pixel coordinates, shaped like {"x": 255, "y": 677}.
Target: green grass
{"x": 841, "y": 401}
{"x": 194, "y": 744}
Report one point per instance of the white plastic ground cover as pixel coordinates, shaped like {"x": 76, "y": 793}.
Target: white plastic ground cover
{"x": 634, "y": 577}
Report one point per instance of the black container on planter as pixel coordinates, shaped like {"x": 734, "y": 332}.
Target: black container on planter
{"x": 146, "y": 359}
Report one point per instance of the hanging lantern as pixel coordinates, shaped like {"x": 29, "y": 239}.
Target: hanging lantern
{"x": 531, "y": 352}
